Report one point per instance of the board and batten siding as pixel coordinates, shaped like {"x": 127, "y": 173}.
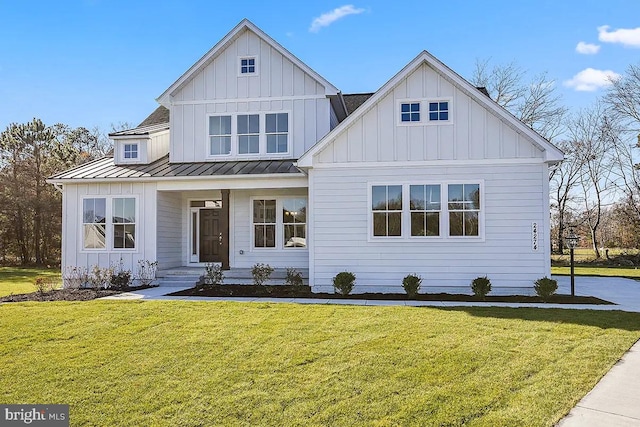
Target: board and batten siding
{"x": 73, "y": 255}
{"x": 514, "y": 197}
{"x": 242, "y": 222}
{"x": 218, "y": 88}
{"x": 474, "y": 133}
{"x": 169, "y": 217}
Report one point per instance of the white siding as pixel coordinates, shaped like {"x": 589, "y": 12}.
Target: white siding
{"x": 241, "y": 223}
{"x": 513, "y": 197}
{"x": 158, "y": 146}
{"x": 73, "y": 253}
{"x": 170, "y": 249}
{"x": 218, "y": 89}
{"x": 473, "y": 133}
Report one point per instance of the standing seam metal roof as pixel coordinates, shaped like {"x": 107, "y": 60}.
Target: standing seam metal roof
{"x": 106, "y": 169}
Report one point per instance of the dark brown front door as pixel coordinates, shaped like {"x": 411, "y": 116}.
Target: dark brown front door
{"x": 210, "y": 235}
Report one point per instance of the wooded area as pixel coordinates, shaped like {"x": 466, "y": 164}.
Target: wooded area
{"x": 30, "y": 209}
{"x": 596, "y": 189}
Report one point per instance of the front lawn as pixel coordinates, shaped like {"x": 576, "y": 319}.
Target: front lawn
{"x": 189, "y": 363}
{"x": 632, "y": 272}
{"x": 20, "y": 280}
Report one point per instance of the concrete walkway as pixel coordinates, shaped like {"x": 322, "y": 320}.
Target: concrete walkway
{"x": 614, "y": 401}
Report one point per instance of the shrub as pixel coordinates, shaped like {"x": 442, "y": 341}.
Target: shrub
{"x": 481, "y": 286}
{"x": 213, "y": 274}
{"x": 261, "y": 273}
{"x": 545, "y": 287}
{"x": 411, "y": 284}
{"x": 99, "y": 278}
{"x": 146, "y": 272}
{"x": 294, "y": 277}
{"x": 74, "y": 277}
{"x": 44, "y": 285}
{"x": 343, "y": 282}
{"x": 121, "y": 280}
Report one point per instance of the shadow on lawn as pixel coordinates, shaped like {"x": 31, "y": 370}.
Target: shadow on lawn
{"x": 602, "y": 319}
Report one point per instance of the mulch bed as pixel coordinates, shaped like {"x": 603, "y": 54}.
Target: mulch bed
{"x": 67, "y": 295}
{"x": 286, "y": 291}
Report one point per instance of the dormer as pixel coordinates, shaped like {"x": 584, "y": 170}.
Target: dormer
{"x": 141, "y": 145}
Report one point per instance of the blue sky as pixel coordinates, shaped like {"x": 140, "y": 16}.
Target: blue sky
{"x": 96, "y": 62}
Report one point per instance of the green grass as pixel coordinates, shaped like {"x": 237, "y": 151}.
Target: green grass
{"x": 199, "y": 364}
{"x": 18, "y": 280}
{"x": 598, "y": 271}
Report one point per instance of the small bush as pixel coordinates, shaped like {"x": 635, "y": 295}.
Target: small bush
{"x": 411, "y": 284}
{"x": 44, "y": 285}
{"x": 261, "y": 273}
{"x": 545, "y": 288}
{"x": 99, "y": 278}
{"x": 121, "y": 280}
{"x": 146, "y": 272}
{"x": 343, "y": 282}
{"x": 75, "y": 277}
{"x": 213, "y": 274}
{"x": 294, "y": 277}
{"x": 481, "y": 286}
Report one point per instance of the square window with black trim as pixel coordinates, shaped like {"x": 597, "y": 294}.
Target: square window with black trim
{"x": 410, "y": 112}
{"x": 439, "y": 111}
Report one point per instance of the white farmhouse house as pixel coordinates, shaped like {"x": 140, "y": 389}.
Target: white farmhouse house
{"x": 254, "y": 157}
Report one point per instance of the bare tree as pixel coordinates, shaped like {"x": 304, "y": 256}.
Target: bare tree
{"x": 535, "y": 102}
{"x": 590, "y": 133}
{"x": 623, "y": 97}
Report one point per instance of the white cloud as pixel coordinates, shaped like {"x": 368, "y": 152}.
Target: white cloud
{"x": 329, "y": 18}
{"x": 587, "y": 48}
{"x": 590, "y": 79}
{"x": 629, "y": 37}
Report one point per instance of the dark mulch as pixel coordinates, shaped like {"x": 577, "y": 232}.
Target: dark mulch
{"x": 285, "y": 291}
{"x": 67, "y": 295}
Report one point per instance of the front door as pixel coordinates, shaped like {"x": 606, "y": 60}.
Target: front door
{"x": 210, "y": 235}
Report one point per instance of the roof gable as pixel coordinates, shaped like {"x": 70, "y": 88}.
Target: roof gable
{"x": 244, "y": 25}
{"x": 551, "y": 153}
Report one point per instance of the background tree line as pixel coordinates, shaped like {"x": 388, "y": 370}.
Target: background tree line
{"x": 30, "y": 209}
{"x": 597, "y": 187}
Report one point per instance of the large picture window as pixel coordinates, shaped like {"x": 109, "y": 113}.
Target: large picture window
{"x": 464, "y": 209}
{"x": 109, "y": 223}
{"x": 219, "y": 135}
{"x": 94, "y": 216}
{"x": 264, "y": 223}
{"x": 424, "y": 204}
{"x": 294, "y": 219}
{"x": 386, "y": 204}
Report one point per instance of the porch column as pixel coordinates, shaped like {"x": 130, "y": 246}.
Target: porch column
{"x": 225, "y": 230}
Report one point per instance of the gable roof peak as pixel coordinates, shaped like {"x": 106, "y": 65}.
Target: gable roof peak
{"x": 244, "y": 25}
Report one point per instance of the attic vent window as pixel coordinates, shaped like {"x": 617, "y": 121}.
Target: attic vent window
{"x": 410, "y": 112}
{"x": 247, "y": 65}
{"x": 439, "y": 111}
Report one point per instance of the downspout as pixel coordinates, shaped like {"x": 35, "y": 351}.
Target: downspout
{"x": 58, "y": 187}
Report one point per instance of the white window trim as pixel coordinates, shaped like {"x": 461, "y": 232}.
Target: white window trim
{"x": 121, "y": 147}
{"x": 262, "y": 154}
{"x": 444, "y": 212}
{"x": 257, "y": 66}
{"x": 424, "y": 111}
{"x": 109, "y": 224}
{"x": 279, "y": 225}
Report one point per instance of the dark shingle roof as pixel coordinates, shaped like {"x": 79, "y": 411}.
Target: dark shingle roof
{"x": 161, "y": 168}
{"x": 160, "y": 115}
{"x": 354, "y": 100}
